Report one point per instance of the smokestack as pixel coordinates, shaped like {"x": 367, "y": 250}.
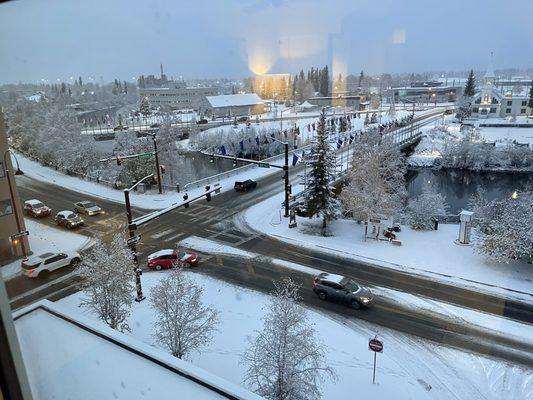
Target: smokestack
{"x": 161, "y": 69}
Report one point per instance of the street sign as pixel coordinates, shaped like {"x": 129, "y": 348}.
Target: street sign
{"x": 146, "y": 155}
{"x": 133, "y": 240}
{"x": 375, "y": 345}
{"x": 19, "y": 235}
{"x": 263, "y": 165}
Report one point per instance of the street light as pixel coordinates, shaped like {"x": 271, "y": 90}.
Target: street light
{"x": 157, "y": 162}
{"x": 133, "y": 244}
{"x": 286, "y": 176}
{"x": 13, "y": 201}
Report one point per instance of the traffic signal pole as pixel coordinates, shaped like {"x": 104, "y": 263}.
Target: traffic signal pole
{"x": 158, "y": 169}
{"x": 287, "y": 187}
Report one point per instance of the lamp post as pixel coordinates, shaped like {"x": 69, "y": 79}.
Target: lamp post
{"x": 133, "y": 244}
{"x": 286, "y": 175}
{"x": 13, "y": 201}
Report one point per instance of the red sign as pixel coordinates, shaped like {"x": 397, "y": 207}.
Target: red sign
{"x": 375, "y": 345}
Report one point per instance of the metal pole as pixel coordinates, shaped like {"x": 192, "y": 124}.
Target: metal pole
{"x": 13, "y": 201}
{"x": 157, "y": 164}
{"x": 133, "y": 247}
{"x": 286, "y": 169}
{"x": 374, "y": 374}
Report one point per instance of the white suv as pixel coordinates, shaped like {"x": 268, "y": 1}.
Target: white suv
{"x": 45, "y": 263}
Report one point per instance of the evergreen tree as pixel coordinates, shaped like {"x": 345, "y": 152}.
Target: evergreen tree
{"x": 63, "y": 88}
{"x": 343, "y": 125}
{"x": 319, "y": 197}
{"x": 470, "y": 87}
{"x": 145, "y": 106}
{"x": 422, "y": 209}
{"x": 324, "y": 81}
{"x": 79, "y": 81}
{"x": 361, "y": 77}
{"x": 530, "y": 102}
{"x": 302, "y": 75}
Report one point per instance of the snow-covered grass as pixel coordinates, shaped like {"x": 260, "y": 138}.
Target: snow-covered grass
{"x": 433, "y": 254}
{"x": 409, "y": 368}
{"x": 43, "y": 239}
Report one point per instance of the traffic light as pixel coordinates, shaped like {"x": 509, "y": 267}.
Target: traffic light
{"x": 185, "y": 198}
{"x": 289, "y": 188}
{"x": 234, "y": 162}
{"x": 162, "y": 169}
{"x": 208, "y": 195}
{"x": 119, "y": 160}
{"x": 211, "y": 159}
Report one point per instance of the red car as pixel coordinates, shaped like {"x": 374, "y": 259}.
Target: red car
{"x": 169, "y": 258}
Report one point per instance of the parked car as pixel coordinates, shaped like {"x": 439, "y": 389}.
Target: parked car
{"x": 39, "y": 266}
{"x": 170, "y": 258}
{"x": 202, "y": 121}
{"x": 245, "y": 185}
{"x": 87, "y": 207}
{"x": 341, "y": 289}
{"x": 242, "y": 119}
{"x": 68, "y": 219}
{"x": 36, "y": 208}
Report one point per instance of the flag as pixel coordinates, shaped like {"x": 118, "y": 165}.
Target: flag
{"x": 273, "y": 135}
{"x": 309, "y": 128}
{"x": 314, "y": 126}
{"x": 266, "y": 140}
{"x": 257, "y": 140}
{"x": 351, "y": 139}
{"x": 294, "y": 159}
{"x": 339, "y": 143}
{"x": 298, "y": 131}
{"x": 222, "y": 150}
{"x": 241, "y": 143}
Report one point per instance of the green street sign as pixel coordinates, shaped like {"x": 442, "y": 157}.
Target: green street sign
{"x": 263, "y": 165}
{"x": 146, "y": 155}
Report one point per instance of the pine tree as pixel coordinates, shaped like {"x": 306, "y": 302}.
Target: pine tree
{"x": 470, "y": 87}
{"x": 361, "y": 77}
{"x": 285, "y": 360}
{"x": 343, "y": 125}
{"x": 465, "y": 102}
{"x": 125, "y": 87}
{"x": 79, "y": 81}
{"x": 319, "y": 197}
{"x": 145, "y": 106}
{"x": 324, "y": 81}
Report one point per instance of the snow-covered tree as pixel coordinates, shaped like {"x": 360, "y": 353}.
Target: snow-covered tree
{"x": 144, "y": 108}
{"x": 319, "y": 197}
{"x": 184, "y": 322}
{"x": 530, "y": 101}
{"x": 422, "y": 209}
{"x": 343, "y": 125}
{"x": 167, "y": 137}
{"x": 464, "y": 103}
{"x": 375, "y": 182}
{"x": 507, "y": 233}
{"x": 285, "y": 359}
{"x": 478, "y": 205}
{"x": 107, "y": 276}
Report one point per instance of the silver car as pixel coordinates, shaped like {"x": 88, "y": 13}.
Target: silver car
{"x": 341, "y": 289}
{"x": 87, "y": 207}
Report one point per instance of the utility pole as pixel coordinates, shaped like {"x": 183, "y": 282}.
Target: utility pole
{"x": 133, "y": 243}
{"x": 158, "y": 169}
{"x": 287, "y": 187}
{"x": 13, "y": 200}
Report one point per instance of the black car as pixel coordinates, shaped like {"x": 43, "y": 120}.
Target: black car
{"x": 245, "y": 185}
{"x": 68, "y": 219}
{"x": 342, "y": 290}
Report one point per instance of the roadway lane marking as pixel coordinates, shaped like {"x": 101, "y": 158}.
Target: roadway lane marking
{"x": 42, "y": 287}
{"x": 161, "y": 234}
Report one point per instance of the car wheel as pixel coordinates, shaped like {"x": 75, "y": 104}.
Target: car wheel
{"x": 355, "y": 305}
{"x": 74, "y": 262}
{"x": 322, "y": 295}
{"x": 158, "y": 267}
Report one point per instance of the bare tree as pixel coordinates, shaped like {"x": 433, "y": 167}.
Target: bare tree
{"x": 107, "y": 281}
{"x": 376, "y": 183}
{"x": 184, "y": 323}
{"x": 285, "y": 360}
{"x": 422, "y": 209}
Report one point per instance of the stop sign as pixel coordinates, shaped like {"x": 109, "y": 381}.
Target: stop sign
{"x": 375, "y": 345}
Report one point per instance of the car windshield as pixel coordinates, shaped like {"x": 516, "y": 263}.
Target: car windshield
{"x": 30, "y": 264}
{"x": 72, "y": 216}
{"x": 350, "y": 286}
{"x": 181, "y": 254}
{"x": 88, "y": 204}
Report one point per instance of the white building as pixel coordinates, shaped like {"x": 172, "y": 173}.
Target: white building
{"x": 234, "y": 105}
{"x": 491, "y": 102}
{"x": 177, "y": 96}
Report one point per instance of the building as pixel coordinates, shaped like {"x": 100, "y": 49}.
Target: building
{"x": 69, "y": 357}
{"x": 234, "y": 105}
{"x": 425, "y": 92}
{"x": 337, "y": 101}
{"x": 11, "y": 214}
{"x": 494, "y": 102}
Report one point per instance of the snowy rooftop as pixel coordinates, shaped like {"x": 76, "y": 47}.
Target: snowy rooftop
{"x": 68, "y": 357}
{"x": 234, "y": 100}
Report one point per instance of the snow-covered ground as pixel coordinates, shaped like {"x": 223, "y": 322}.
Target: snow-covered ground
{"x": 43, "y": 239}
{"x": 433, "y": 253}
{"x": 409, "y": 368}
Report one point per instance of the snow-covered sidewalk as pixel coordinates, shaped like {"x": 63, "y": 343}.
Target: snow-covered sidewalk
{"x": 42, "y": 239}
{"x": 409, "y": 368}
{"x": 433, "y": 254}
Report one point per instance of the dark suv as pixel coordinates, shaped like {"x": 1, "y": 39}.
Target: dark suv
{"x": 245, "y": 185}
{"x": 342, "y": 290}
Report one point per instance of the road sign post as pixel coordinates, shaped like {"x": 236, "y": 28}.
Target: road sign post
{"x": 377, "y": 347}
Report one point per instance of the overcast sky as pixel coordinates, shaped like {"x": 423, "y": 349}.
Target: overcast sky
{"x": 57, "y": 39}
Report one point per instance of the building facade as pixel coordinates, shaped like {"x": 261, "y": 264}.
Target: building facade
{"x": 10, "y": 204}
{"x": 177, "y": 96}
{"x": 337, "y": 101}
